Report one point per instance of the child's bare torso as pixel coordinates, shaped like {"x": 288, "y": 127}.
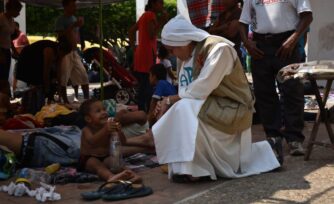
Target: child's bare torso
{"x": 99, "y": 148}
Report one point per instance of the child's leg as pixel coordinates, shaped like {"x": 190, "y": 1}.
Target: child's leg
{"x": 126, "y": 175}
{"x": 11, "y": 140}
{"x": 94, "y": 165}
{"x": 129, "y": 117}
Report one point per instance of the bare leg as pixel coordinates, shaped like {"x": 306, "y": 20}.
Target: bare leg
{"x": 85, "y": 90}
{"x": 11, "y": 140}
{"x": 96, "y": 166}
{"x": 76, "y": 91}
{"x": 63, "y": 94}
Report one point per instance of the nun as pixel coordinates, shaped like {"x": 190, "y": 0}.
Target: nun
{"x": 205, "y": 130}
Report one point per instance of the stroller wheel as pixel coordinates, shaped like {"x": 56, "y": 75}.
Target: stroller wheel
{"x": 122, "y": 96}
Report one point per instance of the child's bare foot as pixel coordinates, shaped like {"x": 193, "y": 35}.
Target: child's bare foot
{"x": 126, "y": 175}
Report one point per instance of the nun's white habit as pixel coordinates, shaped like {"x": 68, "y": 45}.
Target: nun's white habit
{"x": 189, "y": 145}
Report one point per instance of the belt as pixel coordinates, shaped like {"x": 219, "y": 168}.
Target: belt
{"x": 28, "y": 152}
{"x": 272, "y": 36}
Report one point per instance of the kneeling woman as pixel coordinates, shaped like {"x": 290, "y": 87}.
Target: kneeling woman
{"x": 206, "y": 131}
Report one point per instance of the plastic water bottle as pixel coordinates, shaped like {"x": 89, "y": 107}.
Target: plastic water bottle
{"x": 33, "y": 176}
{"x": 115, "y": 153}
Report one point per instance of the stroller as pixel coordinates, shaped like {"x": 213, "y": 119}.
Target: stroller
{"x": 122, "y": 82}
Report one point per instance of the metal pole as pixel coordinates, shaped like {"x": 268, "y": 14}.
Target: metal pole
{"x": 101, "y": 50}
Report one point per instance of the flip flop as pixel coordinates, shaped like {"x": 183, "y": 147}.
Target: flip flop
{"x": 130, "y": 190}
{"x": 105, "y": 188}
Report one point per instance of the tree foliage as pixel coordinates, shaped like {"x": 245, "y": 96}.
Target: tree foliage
{"x": 117, "y": 19}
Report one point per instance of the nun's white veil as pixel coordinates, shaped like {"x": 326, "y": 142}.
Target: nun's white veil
{"x": 180, "y": 32}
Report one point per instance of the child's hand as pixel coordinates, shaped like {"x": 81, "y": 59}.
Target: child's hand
{"x": 113, "y": 125}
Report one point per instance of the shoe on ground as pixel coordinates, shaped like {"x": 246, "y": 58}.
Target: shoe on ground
{"x": 276, "y": 145}
{"x": 296, "y": 149}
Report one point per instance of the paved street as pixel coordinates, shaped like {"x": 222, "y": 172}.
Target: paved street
{"x": 298, "y": 182}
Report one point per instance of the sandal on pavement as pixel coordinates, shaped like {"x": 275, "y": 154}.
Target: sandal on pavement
{"x": 105, "y": 188}
{"x": 127, "y": 190}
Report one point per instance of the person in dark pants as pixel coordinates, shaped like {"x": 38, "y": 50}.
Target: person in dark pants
{"x": 148, "y": 27}
{"x": 277, "y": 27}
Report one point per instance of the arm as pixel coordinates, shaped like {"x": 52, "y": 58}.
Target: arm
{"x": 155, "y": 26}
{"x": 93, "y": 138}
{"x": 163, "y": 105}
{"x": 15, "y": 53}
{"x": 69, "y": 30}
{"x": 250, "y": 45}
{"x": 132, "y": 35}
{"x": 151, "y": 116}
{"x": 219, "y": 63}
{"x": 289, "y": 45}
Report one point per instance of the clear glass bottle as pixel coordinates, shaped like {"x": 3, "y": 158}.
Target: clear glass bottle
{"x": 116, "y": 153}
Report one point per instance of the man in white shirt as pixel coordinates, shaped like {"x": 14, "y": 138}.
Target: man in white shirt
{"x": 277, "y": 26}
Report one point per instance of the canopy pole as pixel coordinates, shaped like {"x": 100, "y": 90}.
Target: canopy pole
{"x": 101, "y": 50}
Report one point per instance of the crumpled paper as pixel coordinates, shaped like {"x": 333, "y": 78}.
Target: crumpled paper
{"x": 44, "y": 193}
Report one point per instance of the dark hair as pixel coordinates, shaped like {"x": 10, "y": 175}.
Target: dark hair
{"x": 13, "y": 5}
{"x": 159, "y": 70}
{"x": 150, "y": 4}
{"x": 163, "y": 52}
{"x": 86, "y": 105}
{"x": 67, "y": 2}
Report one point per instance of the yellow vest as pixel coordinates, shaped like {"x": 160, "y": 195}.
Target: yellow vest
{"x": 229, "y": 107}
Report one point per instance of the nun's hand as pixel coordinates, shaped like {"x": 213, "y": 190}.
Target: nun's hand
{"x": 161, "y": 108}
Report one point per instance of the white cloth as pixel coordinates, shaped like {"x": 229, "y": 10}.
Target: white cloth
{"x": 180, "y": 32}
{"x": 190, "y": 146}
{"x": 273, "y": 16}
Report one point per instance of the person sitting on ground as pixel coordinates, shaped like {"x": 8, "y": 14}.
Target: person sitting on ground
{"x": 163, "y": 57}
{"x": 95, "y": 142}
{"x": 206, "y": 131}
{"x": 162, "y": 88}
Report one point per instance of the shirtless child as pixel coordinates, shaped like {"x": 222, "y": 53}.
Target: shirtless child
{"x": 95, "y": 143}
